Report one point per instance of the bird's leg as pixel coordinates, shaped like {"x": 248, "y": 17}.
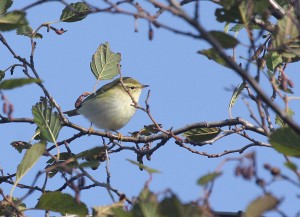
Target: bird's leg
{"x": 91, "y": 130}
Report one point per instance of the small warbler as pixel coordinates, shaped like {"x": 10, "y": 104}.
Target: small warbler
{"x": 110, "y": 107}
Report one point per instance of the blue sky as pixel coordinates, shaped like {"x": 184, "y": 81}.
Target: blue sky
{"x": 185, "y": 88}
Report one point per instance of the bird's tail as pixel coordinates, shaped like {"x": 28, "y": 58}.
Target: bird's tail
{"x": 71, "y": 113}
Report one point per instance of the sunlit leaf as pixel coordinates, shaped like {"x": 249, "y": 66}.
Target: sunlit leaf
{"x": 16, "y": 82}
{"x": 280, "y": 122}
{"x": 237, "y": 91}
{"x": 4, "y": 5}
{"x": 62, "y": 203}
{"x": 105, "y": 63}
{"x": 26, "y": 30}
{"x": 260, "y": 205}
{"x": 148, "y": 169}
{"x": 226, "y": 40}
{"x": 286, "y": 141}
{"x": 273, "y": 60}
{"x": 237, "y": 27}
{"x": 287, "y": 40}
{"x": 106, "y": 211}
{"x": 48, "y": 122}
{"x": 199, "y": 135}
{"x": 12, "y": 20}
{"x": 12, "y": 207}
{"x": 75, "y": 12}
{"x": 204, "y": 180}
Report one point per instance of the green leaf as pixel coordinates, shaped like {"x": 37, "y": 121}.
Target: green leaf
{"x": 199, "y": 135}
{"x": 62, "y": 203}
{"x": 17, "y": 82}
{"x": 204, "y": 180}
{"x": 4, "y": 5}
{"x": 173, "y": 207}
{"x": 29, "y": 160}
{"x": 149, "y": 130}
{"x": 260, "y": 205}
{"x": 20, "y": 145}
{"x": 212, "y": 54}
{"x": 2, "y": 75}
{"x": 26, "y": 30}
{"x": 106, "y": 211}
{"x": 286, "y": 39}
{"x": 105, "y": 63}
{"x": 286, "y": 141}
{"x": 280, "y": 122}
{"x": 273, "y": 60}
{"x": 48, "y": 122}
{"x": 147, "y": 204}
{"x": 226, "y": 27}
{"x": 91, "y": 153}
{"x": 226, "y": 40}
{"x": 75, "y": 12}
{"x": 237, "y": 27}
{"x": 237, "y": 91}
{"x": 12, "y": 20}
{"x": 291, "y": 166}
{"x": 142, "y": 166}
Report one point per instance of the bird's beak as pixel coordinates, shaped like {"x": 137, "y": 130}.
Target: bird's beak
{"x": 145, "y": 85}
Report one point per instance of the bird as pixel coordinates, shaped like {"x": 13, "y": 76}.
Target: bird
{"x": 112, "y": 106}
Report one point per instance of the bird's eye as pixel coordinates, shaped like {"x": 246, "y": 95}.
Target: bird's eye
{"x": 132, "y": 87}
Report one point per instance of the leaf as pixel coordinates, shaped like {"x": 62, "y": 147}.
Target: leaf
{"x": 20, "y": 145}
{"x": 106, "y": 211}
{"x": 199, "y": 135}
{"x": 2, "y": 75}
{"x": 62, "y": 203}
{"x": 212, "y": 54}
{"x": 142, "y": 166}
{"x": 173, "y": 207}
{"x": 204, "y": 180}
{"x": 48, "y": 122}
{"x": 105, "y": 63}
{"x": 26, "y": 30}
{"x": 29, "y": 160}
{"x": 280, "y": 122}
{"x": 90, "y": 154}
{"x": 287, "y": 40}
{"x": 147, "y": 204}
{"x": 226, "y": 40}
{"x": 291, "y": 166}
{"x": 4, "y": 5}
{"x": 12, "y": 20}
{"x": 75, "y": 12}
{"x": 237, "y": 27}
{"x": 237, "y": 91}
{"x": 273, "y": 60}
{"x": 260, "y": 205}
{"x": 286, "y": 141}
{"x": 17, "y": 82}
{"x": 149, "y": 130}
